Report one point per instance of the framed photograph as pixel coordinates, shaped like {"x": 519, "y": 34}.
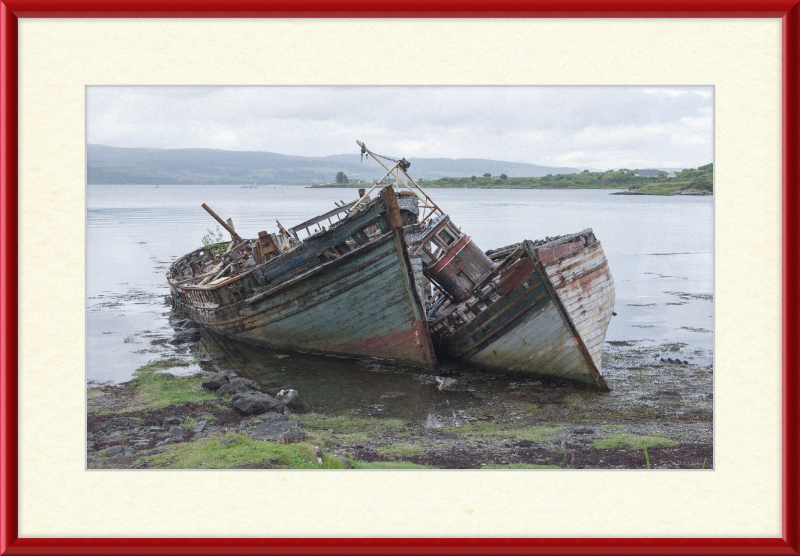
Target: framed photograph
{"x": 104, "y": 260}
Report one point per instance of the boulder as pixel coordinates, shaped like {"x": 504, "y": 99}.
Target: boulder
{"x": 271, "y": 416}
{"x": 215, "y": 381}
{"x": 288, "y": 397}
{"x": 253, "y": 422}
{"x": 254, "y": 403}
{"x": 278, "y": 431}
{"x": 199, "y": 426}
{"x": 171, "y": 422}
{"x": 237, "y": 386}
{"x": 186, "y": 336}
{"x": 113, "y": 451}
{"x": 177, "y": 432}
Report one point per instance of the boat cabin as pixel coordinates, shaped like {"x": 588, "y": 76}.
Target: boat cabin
{"x": 451, "y": 259}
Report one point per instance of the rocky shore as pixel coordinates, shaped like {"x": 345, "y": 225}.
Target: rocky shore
{"x": 661, "y": 399}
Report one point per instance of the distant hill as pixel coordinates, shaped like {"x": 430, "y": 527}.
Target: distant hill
{"x": 115, "y": 165}
{"x": 698, "y": 181}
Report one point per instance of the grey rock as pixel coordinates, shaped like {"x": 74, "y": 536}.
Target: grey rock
{"x": 156, "y": 429}
{"x": 177, "y": 432}
{"x": 288, "y": 397}
{"x": 172, "y": 421}
{"x": 199, "y": 435}
{"x": 214, "y": 430}
{"x": 271, "y": 416}
{"x": 253, "y": 422}
{"x": 199, "y": 426}
{"x": 227, "y": 441}
{"x": 186, "y": 336}
{"x": 120, "y": 422}
{"x": 90, "y": 445}
{"x": 255, "y": 403}
{"x": 238, "y": 386}
{"x": 278, "y": 431}
{"x": 167, "y": 442}
{"x": 215, "y": 381}
{"x": 113, "y": 451}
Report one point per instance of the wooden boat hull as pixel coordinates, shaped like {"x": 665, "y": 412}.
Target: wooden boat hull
{"x": 362, "y": 306}
{"x": 363, "y": 303}
{"x": 550, "y": 318}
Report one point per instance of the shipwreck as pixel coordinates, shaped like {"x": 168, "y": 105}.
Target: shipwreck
{"x": 347, "y": 289}
{"x": 394, "y": 277}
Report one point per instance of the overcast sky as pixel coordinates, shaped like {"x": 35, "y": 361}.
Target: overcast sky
{"x": 598, "y": 127}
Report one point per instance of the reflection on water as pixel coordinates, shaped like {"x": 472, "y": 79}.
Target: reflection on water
{"x": 335, "y": 385}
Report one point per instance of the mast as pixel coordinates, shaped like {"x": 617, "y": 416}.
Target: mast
{"x": 400, "y": 166}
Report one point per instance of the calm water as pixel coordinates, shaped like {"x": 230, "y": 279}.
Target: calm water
{"x": 660, "y": 251}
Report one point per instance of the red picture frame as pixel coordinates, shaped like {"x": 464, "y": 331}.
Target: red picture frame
{"x": 11, "y": 10}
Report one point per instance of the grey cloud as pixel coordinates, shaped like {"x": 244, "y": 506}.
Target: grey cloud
{"x": 582, "y": 126}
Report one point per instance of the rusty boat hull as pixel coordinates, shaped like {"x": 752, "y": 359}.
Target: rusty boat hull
{"x": 545, "y": 312}
{"x": 362, "y": 302}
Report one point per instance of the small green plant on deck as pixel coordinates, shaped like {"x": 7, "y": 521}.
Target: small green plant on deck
{"x": 211, "y": 238}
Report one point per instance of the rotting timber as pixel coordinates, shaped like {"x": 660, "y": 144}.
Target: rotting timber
{"x": 359, "y": 289}
{"x": 543, "y": 308}
{"x": 345, "y": 290}
{"x": 540, "y": 307}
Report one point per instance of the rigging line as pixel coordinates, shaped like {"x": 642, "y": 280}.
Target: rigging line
{"x": 386, "y": 157}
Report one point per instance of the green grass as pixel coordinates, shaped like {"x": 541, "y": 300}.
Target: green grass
{"x": 484, "y": 429}
{"x": 401, "y": 450}
{"x": 623, "y": 441}
{"x": 208, "y": 453}
{"x": 158, "y": 391}
{"x": 347, "y": 424}
{"x": 607, "y": 357}
{"x": 355, "y": 438}
{"x": 612, "y": 427}
{"x": 518, "y": 466}
{"x": 390, "y": 465}
{"x": 642, "y": 373}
